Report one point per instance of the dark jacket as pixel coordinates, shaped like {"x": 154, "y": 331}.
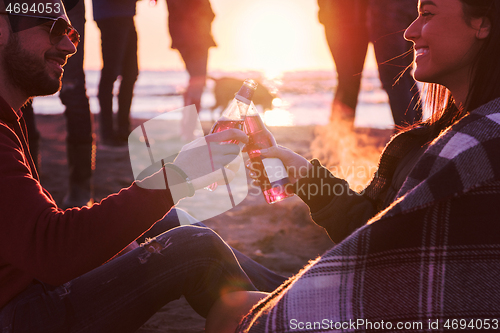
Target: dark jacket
{"x": 104, "y": 9}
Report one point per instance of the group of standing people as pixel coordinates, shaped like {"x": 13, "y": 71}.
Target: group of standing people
{"x": 189, "y": 24}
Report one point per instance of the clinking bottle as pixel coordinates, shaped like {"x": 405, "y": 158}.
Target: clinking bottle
{"x": 271, "y": 173}
{"x": 233, "y": 115}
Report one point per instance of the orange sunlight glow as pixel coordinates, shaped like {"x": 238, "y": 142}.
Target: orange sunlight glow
{"x": 263, "y": 35}
{"x": 273, "y": 36}
{"x": 278, "y": 117}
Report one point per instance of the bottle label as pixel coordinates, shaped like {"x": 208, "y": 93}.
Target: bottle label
{"x": 243, "y": 99}
{"x": 246, "y": 91}
{"x": 275, "y": 169}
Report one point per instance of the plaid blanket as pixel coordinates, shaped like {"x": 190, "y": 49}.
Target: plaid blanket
{"x": 429, "y": 262}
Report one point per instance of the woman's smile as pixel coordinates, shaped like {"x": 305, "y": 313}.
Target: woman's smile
{"x": 420, "y": 52}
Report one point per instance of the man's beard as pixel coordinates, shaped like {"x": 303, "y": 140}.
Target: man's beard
{"x": 27, "y": 71}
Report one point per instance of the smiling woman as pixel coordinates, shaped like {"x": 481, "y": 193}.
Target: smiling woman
{"x": 423, "y": 235}
{"x": 445, "y": 48}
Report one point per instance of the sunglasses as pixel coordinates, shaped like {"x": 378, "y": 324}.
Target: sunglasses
{"x": 59, "y": 28}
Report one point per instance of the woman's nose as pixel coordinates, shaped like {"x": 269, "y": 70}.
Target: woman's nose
{"x": 413, "y": 31}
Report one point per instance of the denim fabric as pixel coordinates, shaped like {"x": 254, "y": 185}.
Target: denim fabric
{"x": 119, "y": 57}
{"x": 262, "y": 278}
{"x": 122, "y": 294}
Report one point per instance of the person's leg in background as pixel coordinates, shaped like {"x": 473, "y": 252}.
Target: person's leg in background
{"x": 347, "y": 36}
{"x": 262, "y": 278}
{"x": 195, "y": 58}
{"x": 113, "y": 43}
{"x": 388, "y": 19}
{"x": 129, "y": 73}
{"x": 80, "y": 144}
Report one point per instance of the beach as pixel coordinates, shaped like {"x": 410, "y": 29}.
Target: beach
{"x": 281, "y": 236}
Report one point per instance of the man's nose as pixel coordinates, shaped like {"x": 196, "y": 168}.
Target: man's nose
{"x": 66, "y": 46}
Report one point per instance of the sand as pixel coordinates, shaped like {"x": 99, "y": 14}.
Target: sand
{"x": 281, "y": 236}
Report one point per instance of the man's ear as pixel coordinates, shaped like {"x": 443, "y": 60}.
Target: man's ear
{"x": 483, "y": 28}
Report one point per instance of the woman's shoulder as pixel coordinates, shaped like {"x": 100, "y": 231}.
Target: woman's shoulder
{"x": 488, "y": 109}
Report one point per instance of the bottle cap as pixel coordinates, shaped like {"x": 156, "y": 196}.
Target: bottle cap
{"x": 246, "y": 91}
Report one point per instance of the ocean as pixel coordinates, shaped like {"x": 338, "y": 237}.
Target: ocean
{"x": 305, "y": 97}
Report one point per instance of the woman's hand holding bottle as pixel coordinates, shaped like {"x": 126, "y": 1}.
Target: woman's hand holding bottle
{"x": 296, "y": 165}
{"x": 200, "y": 157}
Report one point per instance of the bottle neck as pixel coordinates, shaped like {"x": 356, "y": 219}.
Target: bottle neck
{"x": 243, "y": 99}
{"x": 245, "y": 94}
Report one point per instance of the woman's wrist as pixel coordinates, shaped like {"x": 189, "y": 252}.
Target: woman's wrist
{"x": 318, "y": 187}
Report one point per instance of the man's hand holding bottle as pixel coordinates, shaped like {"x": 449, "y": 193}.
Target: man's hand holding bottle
{"x": 193, "y": 167}
{"x": 200, "y": 157}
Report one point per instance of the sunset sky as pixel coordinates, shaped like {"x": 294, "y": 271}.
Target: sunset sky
{"x": 267, "y": 35}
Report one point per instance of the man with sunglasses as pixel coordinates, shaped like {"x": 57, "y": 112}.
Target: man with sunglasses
{"x": 37, "y": 72}
{"x": 56, "y": 272}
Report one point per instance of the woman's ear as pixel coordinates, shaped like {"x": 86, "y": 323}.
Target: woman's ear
{"x": 483, "y": 27}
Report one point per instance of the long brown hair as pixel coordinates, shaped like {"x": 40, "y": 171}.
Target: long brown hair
{"x": 485, "y": 82}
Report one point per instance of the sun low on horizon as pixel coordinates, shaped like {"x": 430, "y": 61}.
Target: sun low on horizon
{"x": 269, "y": 36}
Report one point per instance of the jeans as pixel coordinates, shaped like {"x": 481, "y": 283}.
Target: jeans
{"x": 124, "y": 293}
{"x": 119, "y": 57}
{"x": 262, "y": 278}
